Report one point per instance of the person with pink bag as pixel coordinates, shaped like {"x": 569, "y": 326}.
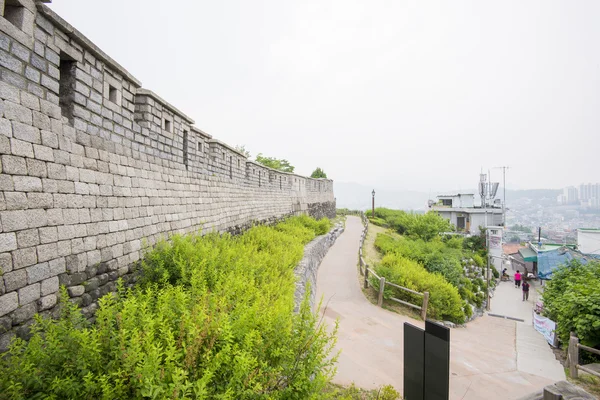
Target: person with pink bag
{"x": 518, "y": 279}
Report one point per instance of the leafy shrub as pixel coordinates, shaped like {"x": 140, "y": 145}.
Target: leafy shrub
{"x": 445, "y": 302}
{"x": 213, "y": 318}
{"x": 435, "y": 256}
{"x": 478, "y": 260}
{"x": 420, "y": 226}
{"x": 572, "y": 300}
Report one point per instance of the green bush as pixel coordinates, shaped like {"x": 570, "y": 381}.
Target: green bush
{"x": 572, "y": 300}
{"x": 420, "y": 226}
{"x": 212, "y": 318}
{"x": 445, "y": 302}
{"x": 434, "y": 255}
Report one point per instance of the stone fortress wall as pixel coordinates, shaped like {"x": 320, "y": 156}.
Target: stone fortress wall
{"x": 93, "y": 166}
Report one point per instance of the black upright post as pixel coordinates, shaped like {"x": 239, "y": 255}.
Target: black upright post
{"x": 437, "y": 361}
{"x": 414, "y": 362}
{"x": 426, "y": 362}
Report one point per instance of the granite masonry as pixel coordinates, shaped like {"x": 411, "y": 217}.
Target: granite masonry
{"x": 93, "y": 167}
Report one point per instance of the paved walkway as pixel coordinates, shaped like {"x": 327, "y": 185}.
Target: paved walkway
{"x": 484, "y": 356}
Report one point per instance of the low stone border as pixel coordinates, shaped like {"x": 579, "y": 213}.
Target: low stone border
{"x": 307, "y": 268}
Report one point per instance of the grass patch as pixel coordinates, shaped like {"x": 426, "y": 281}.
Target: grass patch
{"x": 339, "y": 392}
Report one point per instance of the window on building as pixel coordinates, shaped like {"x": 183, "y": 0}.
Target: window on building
{"x": 14, "y": 13}
{"x": 185, "y": 148}
{"x": 494, "y": 231}
{"x": 112, "y": 93}
{"x": 447, "y": 202}
{"x": 199, "y": 146}
{"x": 167, "y": 126}
{"x": 66, "y": 88}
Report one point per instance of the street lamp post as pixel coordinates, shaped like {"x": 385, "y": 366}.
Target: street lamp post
{"x": 373, "y": 204}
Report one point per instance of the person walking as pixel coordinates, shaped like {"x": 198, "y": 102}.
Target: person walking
{"x": 518, "y": 279}
{"x": 525, "y": 291}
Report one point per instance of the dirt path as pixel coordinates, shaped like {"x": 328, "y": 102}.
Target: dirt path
{"x": 483, "y": 355}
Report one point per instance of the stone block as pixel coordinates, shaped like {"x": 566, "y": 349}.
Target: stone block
{"x": 18, "y": 113}
{"x": 37, "y": 218}
{"x": 26, "y": 133}
{"x": 15, "y": 200}
{"x": 28, "y": 238}
{"x": 24, "y": 257}
{"x": 93, "y": 257}
{"x": 47, "y": 252}
{"x": 50, "y": 139}
{"x": 38, "y": 272}
{"x": 40, "y": 201}
{"x": 48, "y": 235}
{"x": 43, "y": 153}
{"x": 56, "y": 171}
{"x": 55, "y": 216}
{"x": 76, "y": 262}
{"x": 15, "y": 279}
{"x": 29, "y": 294}
{"x": 10, "y": 62}
{"x": 49, "y": 286}
{"x": 47, "y": 302}
{"x": 5, "y": 324}
{"x": 24, "y": 313}
{"x": 5, "y": 340}
{"x": 76, "y": 291}
{"x": 20, "y": 148}
{"x": 14, "y": 165}
{"x": 9, "y": 92}
{"x": 27, "y": 184}
{"x": 8, "y": 303}
{"x": 6, "y": 262}
{"x": 36, "y": 168}
{"x": 57, "y": 266}
{"x": 64, "y": 248}
{"x": 13, "y": 221}
{"x": 6, "y": 182}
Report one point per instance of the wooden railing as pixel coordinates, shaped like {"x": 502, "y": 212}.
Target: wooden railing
{"x": 573, "y": 357}
{"x": 366, "y": 272}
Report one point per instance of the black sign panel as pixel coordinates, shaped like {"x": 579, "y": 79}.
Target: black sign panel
{"x": 414, "y": 362}
{"x": 437, "y": 361}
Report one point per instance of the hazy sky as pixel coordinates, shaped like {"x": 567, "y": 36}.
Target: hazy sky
{"x": 410, "y": 95}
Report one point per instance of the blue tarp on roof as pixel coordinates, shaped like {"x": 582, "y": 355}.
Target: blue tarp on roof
{"x": 548, "y": 261}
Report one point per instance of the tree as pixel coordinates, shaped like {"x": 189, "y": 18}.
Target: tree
{"x": 271, "y": 162}
{"x": 318, "y": 173}
{"x": 242, "y": 149}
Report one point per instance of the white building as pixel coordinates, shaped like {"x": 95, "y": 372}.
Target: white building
{"x": 460, "y": 209}
{"x": 589, "y": 195}
{"x": 569, "y": 196}
{"x": 588, "y": 241}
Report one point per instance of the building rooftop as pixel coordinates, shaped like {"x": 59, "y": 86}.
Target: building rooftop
{"x": 457, "y": 194}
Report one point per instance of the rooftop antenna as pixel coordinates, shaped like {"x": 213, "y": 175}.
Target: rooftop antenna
{"x": 504, "y": 168}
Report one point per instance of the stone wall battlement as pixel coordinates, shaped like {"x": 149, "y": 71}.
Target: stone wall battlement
{"x": 93, "y": 166}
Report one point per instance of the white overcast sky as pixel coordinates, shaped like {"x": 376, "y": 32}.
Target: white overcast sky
{"x": 407, "y": 95}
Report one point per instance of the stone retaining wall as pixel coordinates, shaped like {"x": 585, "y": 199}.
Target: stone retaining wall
{"x": 93, "y": 166}
{"x": 307, "y": 269}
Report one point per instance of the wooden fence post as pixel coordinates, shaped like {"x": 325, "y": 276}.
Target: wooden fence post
{"x": 573, "y": 355}
{"x": 381, "y": 287}
{"x": 366, "y": 276}
{"x": 424, "y": 306}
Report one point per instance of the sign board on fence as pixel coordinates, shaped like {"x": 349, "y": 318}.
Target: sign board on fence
{"x": 546, "y": 327}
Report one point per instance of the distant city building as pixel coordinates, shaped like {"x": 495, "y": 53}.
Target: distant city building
{"x": 569, "y": 196}
{"x": 461, "y": 211}
{"x": 589, "y": 195}
{"x": 588, "y": 241}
